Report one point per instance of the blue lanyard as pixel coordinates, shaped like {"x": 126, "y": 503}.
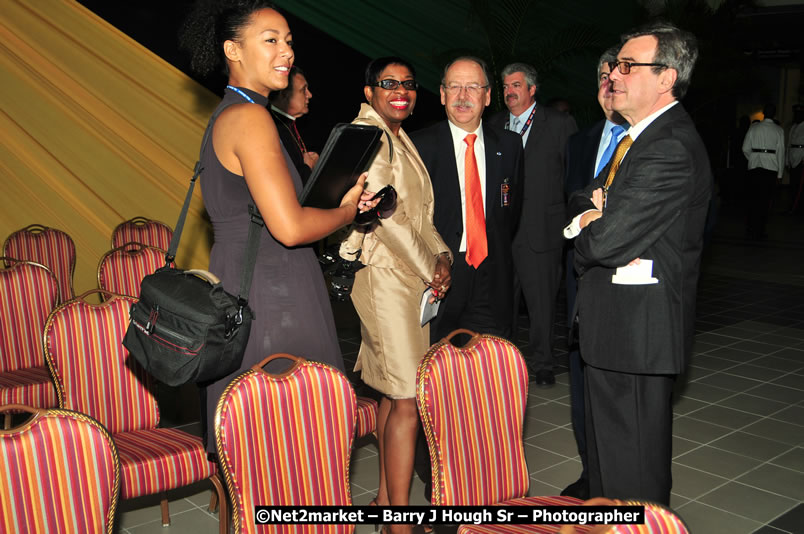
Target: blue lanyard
{"x": 241, "y": 93}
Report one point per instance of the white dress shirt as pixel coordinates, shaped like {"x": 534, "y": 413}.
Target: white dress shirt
{"x": 523, "y": 118}
{"x": 796, "y": 155}
{"x": 460, "y": 146}
{"x": 769, "y": 136}
{"x": 574, "y": 227}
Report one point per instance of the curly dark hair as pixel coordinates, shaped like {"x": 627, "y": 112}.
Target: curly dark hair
{"x": 209, "y": 25}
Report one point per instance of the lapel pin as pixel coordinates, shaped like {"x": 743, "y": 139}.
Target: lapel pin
{"x": 499, "y": 153}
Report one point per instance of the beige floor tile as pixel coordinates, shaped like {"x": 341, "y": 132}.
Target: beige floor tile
{"x": 705, "y": 519}
{"x": 718, "y": 462}
{"x": 776, "y": 480}
{"x": 748, "y": 502}
{"x": 692, "y": 483}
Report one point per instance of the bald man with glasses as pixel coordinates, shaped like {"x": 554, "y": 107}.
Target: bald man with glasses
{"x": 477, "y": 178}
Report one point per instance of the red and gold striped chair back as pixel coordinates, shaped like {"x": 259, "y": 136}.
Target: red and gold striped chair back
{"x": 28, "y": 293}
{"x": 286, "y": 440}
{"x": 141, "y": 230}
{"x": 52, "y": 248}
{"x": 658, "y": 520}
{"x": 59, "y": 474}
{"x": 122, "y": 269}
{"x": 479, "y": 390}
{"x": 85, "y": 353}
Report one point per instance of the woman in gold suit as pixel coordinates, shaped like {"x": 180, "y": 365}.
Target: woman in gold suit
{"x": 403, "y": 255}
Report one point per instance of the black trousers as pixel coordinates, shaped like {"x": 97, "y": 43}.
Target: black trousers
{"x": 539, "y": 276}
{"x": 468, "y": 303}
{"x": 629, "y": 430}
{"x": 576, "y": 365}
{"x": 759, "y": 195}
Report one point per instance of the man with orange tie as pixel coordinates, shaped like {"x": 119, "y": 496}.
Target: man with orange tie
{"x": 638, "y": 231}
{"x": 286, "y": 106}
{"x": 477, "y": 182}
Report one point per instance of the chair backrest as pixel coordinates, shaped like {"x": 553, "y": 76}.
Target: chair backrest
{"x": 479, "y": 390}
{"x": 52, "y": 248}
{"x": 122, "y": 269}
{"x": 92, "y": 370}
{"x": 28, "y": 293}
{"x": 658, "y": 520}
{"x": 60, "y": 474}
{"x": 141, "y": 230}
{"x": 286, "y": 440}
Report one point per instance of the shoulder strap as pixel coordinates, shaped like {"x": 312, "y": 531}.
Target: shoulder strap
{"x": 174, "y": 242}
{"x": 253, "y": 243}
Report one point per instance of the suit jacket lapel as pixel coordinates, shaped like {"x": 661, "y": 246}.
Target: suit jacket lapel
{"x": 536, "y": 127}
{"x": 451, "y": 186}
{"x": 493, "y": 170}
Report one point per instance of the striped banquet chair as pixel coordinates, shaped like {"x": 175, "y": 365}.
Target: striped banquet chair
{"x": 285, "y": 439}
{"x": 28, "y": 293}
{"x": 52, "y": 248}
{"x": 94, "y": 375}
{"x": 59, "y": 474}
{"x": 142, "y": 230}
{"x": 659, "y": 519}
{"x": 366, "y": 417}
{"x": 478, "y": 390}
{"x": 122, "y": 269}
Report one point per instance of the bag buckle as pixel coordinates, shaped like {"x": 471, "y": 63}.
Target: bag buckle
{"x": 233, "y": 323}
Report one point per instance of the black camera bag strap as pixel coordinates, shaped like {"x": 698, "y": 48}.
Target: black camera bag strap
{"x": 252, "y": 246}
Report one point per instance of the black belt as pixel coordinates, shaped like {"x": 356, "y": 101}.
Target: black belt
{"x": 796, "y": 146}
{"x": 766, "y": 150}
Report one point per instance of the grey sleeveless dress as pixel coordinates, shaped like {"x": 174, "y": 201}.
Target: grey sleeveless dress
{"x": 292, "y": 312}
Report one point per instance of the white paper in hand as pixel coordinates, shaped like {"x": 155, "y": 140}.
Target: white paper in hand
{"x": 428, "y": 310}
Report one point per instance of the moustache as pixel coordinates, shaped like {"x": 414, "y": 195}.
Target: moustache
{"x": 512, "y": 96}
{"x": 463, "y": 104}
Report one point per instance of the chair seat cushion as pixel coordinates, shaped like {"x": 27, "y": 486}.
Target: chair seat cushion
{"x": 152, "y": 461}
{"x": 366, "y": 416}
{"x": 30, "y": 386}
{"x": 527, "y": 529}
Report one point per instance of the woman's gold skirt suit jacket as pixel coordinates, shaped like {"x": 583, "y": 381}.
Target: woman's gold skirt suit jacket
{"x": 400, "y": 256}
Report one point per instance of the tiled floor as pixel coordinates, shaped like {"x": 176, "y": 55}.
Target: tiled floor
{"x": 739, "y": 429}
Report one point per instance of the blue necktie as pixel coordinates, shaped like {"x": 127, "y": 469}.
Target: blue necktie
{"x": 616, "y": 131}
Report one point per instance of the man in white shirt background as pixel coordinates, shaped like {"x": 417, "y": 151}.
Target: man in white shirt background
{"x": 763, "y": 147}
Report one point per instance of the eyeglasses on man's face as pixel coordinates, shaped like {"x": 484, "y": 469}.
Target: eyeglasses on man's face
{"x": 391, "y": 85}
{"x": 471, "y": 89}
{"x": 625, "y": 66}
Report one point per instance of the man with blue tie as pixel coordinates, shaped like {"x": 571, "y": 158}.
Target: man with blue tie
{"x": 588, "y": 153}
{"x": 538, "y": 245}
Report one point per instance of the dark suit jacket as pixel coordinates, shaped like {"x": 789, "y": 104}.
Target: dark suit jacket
{"x": 656, "y": 210}
{"x": 581, "y": 155}
{"x": 283, "y": 126}
{"x": 543, "y": 207}
{"x": 503, "y": 151}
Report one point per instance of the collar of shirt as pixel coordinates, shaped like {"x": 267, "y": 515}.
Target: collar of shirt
{"x": 274, "y": 108}
{"x": 639, "y": 127}
{"x": 605, "y": 138}
{"x": 459, "y": 145}
{"x": 522, "y": 116}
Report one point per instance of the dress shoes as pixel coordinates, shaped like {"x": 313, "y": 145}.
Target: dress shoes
{"x": 578, "y": 489}
{"x": 545, "y": 378}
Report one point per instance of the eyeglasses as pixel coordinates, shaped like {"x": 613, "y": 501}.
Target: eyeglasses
{"x": 625, "y": 66}
{"x": 390, "y": 85}
{"x": 472, "y": 90}
{"x": 384, "y": 208}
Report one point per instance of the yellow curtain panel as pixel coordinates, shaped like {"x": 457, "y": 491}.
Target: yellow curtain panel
{"x": 94, "y": 130}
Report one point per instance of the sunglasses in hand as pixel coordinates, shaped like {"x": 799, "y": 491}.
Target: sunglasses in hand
{"x": 384, "y": 208}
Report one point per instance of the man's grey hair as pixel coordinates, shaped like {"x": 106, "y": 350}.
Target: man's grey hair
{"x": 609, "y": 56}
{"x": 531, "y": 76}
{"x": 473, "y": 59}
{"x": 676, "y": 48}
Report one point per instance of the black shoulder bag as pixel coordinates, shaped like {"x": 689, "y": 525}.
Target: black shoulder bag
{"x": 185, "y": 326}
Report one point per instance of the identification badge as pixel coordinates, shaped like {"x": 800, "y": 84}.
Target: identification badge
{"x": 505, "y": 194}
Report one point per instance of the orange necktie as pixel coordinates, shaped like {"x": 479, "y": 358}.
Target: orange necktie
{"x": 476, "y": 245}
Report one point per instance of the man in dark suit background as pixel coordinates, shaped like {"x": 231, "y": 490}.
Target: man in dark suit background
{"x": 588, "y": 152}
{"x": 478, "y": 231}
{"x": 636, "y": 336}
{"x": 538, "y": 244}
{"x": 286, "y": 106}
